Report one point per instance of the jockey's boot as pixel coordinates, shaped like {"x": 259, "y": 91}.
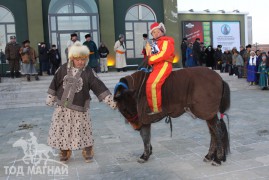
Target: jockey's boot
{"x": 87, "y": 153}
{"x": 65, "y": 155}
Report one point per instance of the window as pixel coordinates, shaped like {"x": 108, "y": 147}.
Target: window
{"x": 69, "y": 16}
{"x": 137, "y": 22}
{"x": 7, "y": 27}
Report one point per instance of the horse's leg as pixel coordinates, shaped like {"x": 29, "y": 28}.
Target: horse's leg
{"x": 212, "y": 149}
{"x": 216, "y": 150}
{"x": 145, "y": 134}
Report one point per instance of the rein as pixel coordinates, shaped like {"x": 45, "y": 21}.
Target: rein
{"x": 133, "y": 118}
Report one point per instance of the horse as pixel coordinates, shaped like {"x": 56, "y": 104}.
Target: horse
{"x": 198, "y": 91}
{"x": 34, "y": 151}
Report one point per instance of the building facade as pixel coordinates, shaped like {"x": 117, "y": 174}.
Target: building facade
{"x": 52, "y": 22}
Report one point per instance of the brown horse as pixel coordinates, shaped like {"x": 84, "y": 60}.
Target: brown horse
{"x": 198, "y": 91}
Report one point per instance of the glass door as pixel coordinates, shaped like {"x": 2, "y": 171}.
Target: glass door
{"x": 62, "y": 46}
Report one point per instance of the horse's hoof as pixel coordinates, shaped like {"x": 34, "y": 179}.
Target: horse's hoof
{"x": 216, "y": 163}
{"x": 224, "y": 159}
{"x": 140, "y": 160}
{"x": 143, "y": 159}
{"x": 207, "y": 160}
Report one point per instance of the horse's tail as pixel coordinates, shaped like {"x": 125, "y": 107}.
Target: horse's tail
{"x": 225, "y": 99}
{"x": 224, "y": 106}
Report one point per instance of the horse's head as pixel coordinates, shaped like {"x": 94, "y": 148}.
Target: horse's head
{"x": 19, "y": 143}
{"x": 126, "y": 100}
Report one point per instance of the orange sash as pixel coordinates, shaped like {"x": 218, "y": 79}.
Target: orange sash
{"x": 120, "y": 52}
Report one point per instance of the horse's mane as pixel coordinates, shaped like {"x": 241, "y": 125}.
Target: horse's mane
{"x": 135, "y": 80}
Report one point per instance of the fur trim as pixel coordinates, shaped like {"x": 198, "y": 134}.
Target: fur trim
{"x": 78, "y": 51}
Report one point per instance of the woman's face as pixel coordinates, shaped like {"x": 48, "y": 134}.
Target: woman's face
{"x": 79, "y": 63}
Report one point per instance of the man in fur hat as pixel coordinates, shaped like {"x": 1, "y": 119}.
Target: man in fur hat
{"x": 160, "y": 58}
{"x": 94, "y": 55}
{"x": 184, "y": 46}
{"x": 28, "y": 57}
{"x": 120, "y": 50}
{"x": 197, "y": 51}
{"x": 13, "y": 56}
{"x": 73, "y": 39}
{"x": 246, "y": 58}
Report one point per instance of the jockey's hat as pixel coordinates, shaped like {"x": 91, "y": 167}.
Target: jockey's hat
{"x": 156, "y": 25}
{"x": 145, "y": 35}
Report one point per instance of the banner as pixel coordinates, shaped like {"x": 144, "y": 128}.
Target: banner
{"x": 197, "y": 29}
{"x": 226, "y": 34}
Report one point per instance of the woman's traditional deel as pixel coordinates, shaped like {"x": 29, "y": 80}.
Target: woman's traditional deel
{"x": 71, "y": 127}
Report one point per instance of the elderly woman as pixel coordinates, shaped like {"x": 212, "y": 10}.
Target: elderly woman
{"x": 252, "y": 68}
{"x": 263, "y": 70}
{"x": 71, "y": 127}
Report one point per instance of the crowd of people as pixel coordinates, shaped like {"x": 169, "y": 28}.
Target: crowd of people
{"x": 243, "y": 63}
{"x": 23, "y": 59}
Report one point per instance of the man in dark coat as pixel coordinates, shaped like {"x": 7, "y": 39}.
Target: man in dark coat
{"x": 218, "y": 57}
{"x": 12, "y": 52}
{"x": 184, "y": 46}
{"x": 55, "y": 58}
{"x": 43, "y": 59}
{"x": 94, "y": 55}
{"x": 196, "y": 51}
{"x": 246, "y": 58}
{"x": 210, "y": 57}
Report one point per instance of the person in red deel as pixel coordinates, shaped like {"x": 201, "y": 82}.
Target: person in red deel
{"x": 161, "y": 59}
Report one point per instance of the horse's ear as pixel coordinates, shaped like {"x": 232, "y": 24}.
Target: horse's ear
{"x": 124, "y": 81}
{"x": 117, "y": 97}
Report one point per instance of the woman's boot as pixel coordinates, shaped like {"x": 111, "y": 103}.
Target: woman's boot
{"x": 65, "y": 155}
{"x": 87, "y": 153}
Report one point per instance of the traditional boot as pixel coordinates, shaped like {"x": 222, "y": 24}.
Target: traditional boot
{"x": 12, "y": 75}
{"x": 36, "y": 77}
{"x": 28, "y": 77}
{"x": 87, "y": 153}
{"x": 65, "y": 155}
{"x": 17, "y": 74}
